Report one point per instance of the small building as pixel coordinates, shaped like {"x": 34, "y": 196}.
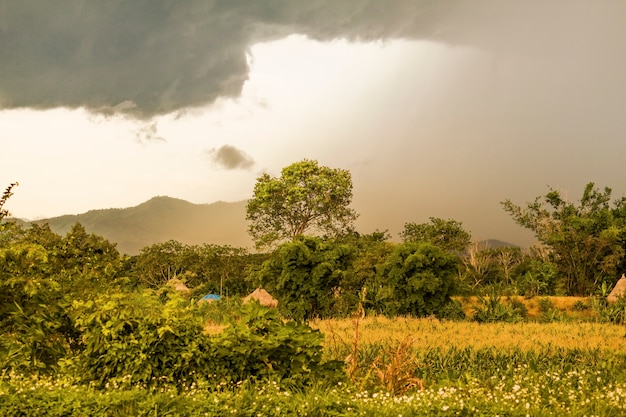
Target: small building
{"x": 179, "y": 286}
{"x": 263, "y": 297}
{"x": 618, "y": 291}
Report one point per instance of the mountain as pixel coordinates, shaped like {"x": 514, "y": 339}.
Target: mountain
{"x": 160, "y": 219}
{"x": 495, "y": 244}
{"x": 164, "y": 218}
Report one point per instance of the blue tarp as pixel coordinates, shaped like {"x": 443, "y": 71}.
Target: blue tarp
{"x": 210, "y": 297}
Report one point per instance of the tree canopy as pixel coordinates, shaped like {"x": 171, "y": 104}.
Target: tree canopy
{"x": 447, "y": 234}
{"x": 585, "y": 237}
{"x": 306, "y": 197}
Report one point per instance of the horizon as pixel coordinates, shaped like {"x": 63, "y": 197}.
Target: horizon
{"x": 393, "y": 237}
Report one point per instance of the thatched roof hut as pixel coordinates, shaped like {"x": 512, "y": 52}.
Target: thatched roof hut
{"x": 263, "y": 297}
{"x": 178, "y": 285}
{"x": 618, "y": 291}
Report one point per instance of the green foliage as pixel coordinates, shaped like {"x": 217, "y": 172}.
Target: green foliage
{"x": 35, "y": 331}
{"x": 545, "y": 305}
{"x": 205, "y": 269}
{"x": 263, "y": 346}
{"x": 539, "y": 278}
{"x": 415, "y": 279}
{"x": 304, "y": 275}
{"x": 368, "y": 251}
{"x": 580, "y": 306}
{"x": 586, "y": 238}
{"x": 491, "y": 309}
{"x": 140, "y": 341}
{"x": 157, "y": 264}
{"x": 452, "y": 310}
{"x": 447, "y": 234}
{"x": 305, "y": 198}
{"x": 614, "y": 312}
{"x": 85, "y": 262}
{"x": 468, "y": 381}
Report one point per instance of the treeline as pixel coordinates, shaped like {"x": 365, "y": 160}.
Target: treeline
{"x": 75, "y": 303}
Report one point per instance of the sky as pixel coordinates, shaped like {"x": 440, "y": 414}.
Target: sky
{"x": 437, "y": 108}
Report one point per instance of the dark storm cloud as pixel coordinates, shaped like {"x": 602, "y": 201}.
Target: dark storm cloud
{"x": 229, "y": 157}
{"x": 143, "y": 57}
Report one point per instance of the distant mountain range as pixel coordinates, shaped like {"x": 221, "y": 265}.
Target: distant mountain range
{"x": 161, "y": 219}
{"x": 165, "y": 218}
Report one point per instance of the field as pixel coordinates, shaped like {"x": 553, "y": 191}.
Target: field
{"x": 394, "y": 367}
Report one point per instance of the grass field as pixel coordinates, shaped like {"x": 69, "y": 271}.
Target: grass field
{"x": 394, "y": 367}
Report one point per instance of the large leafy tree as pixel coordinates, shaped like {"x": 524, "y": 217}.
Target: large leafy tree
{"x": 415, "y": 279}
{"x": 584, "y": 236}
{"x": 306, "y": 275}
{"x": 447, "y": 234}
{"x": 306, "y": 198}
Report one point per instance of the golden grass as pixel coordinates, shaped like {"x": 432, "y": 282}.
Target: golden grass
{"x": 563, "y": 304}
{"x": 432, "y": 333}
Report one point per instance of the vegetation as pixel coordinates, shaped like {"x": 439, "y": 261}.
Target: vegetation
{"x": 364, "y": 326}
{"x": 446, "y": 234}
{"x": 306, "y": 198}
{"x": 585, "y": 238}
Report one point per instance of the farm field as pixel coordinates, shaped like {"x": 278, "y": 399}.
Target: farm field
{"x": 401, "y": 366}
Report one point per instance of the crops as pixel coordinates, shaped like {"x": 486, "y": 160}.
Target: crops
{"x": 394, "y": 367}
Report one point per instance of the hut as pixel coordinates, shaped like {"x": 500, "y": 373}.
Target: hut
{"x": 179, "y": 286}
{"x": 618, "y": 291}
{"x": 263, "y": 297}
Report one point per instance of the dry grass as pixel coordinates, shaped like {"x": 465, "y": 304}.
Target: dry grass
{"x": 213, "y": 328}
{"x": 430, "y": 333}
{"x": 563, "y": 304}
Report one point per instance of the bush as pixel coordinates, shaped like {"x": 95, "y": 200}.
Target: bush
{"x": 415, "y": 279}
{"x": 452, "y": 311}
{"x": 262, "y": 346}
{"x": 139, "y": 341}
{"x": 493, "y": 310}
{"x": 136, "y": 339}
{"x": 614, "y": 312}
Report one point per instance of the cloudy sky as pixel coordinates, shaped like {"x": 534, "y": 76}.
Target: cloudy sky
{"x": 438, "y": 108}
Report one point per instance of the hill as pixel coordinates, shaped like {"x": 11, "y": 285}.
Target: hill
{"x": 160, "y": 219}
{"x": 495, "y": 244}
{"x": 164, "y": 218}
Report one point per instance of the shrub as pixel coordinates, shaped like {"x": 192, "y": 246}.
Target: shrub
{"x": 415, "y": 279}
{"x": 491, "y": 309}
{"x": 452, "y": 310}
{"x": 614, "y": 312}
{"x": 138, "y": 340}
{"x": 262, "y": 346}
{"x": 545, "y": 305}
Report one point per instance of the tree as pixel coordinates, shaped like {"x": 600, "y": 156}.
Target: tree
{"x": 416, "y": 279}
{"x": 5, "y": 196}
{"x": 447, "y": 234}
{"x": 585, "y": 237}
{"x": 157, "y": 264}
{"x": 305, "y": 275}
{"x": 305, "y": 198}
{"x": 477, "y": 261}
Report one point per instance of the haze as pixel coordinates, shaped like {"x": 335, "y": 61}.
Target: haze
{"x": 438, "y": 108}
